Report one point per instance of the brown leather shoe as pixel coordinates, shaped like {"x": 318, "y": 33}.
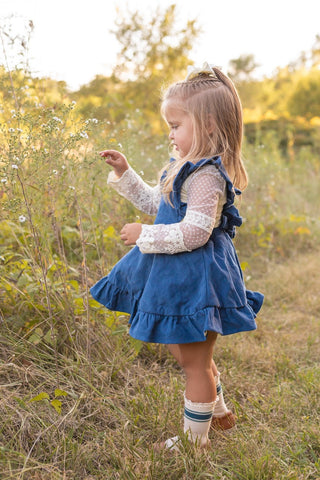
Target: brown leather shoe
{"x": 226, "y": 422}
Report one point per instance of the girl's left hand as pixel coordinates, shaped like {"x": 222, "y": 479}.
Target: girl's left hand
{"x": 130, "y": 233}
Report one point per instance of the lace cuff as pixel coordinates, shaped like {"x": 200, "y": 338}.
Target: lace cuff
{"x": 200, "y": 220}
{"x": 131, "y": 186}
{"x": 161, "y": 239}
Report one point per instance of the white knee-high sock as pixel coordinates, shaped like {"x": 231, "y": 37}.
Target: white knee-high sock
{"x": 220, "y": 408}
{"x": 197, "y": 420}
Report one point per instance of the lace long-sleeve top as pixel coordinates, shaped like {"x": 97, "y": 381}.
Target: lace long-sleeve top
{"x": 204, "y": 191}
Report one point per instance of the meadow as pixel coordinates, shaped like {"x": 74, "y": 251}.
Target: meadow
{"x": 80, "y": 400}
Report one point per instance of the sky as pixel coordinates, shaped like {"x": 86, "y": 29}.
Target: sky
{"x": 72, "y": 39}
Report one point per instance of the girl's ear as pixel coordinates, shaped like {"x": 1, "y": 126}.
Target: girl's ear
{"x": 211, "y": 125}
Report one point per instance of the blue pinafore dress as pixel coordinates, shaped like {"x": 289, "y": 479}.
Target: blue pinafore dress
{"x": 179, "y": 298}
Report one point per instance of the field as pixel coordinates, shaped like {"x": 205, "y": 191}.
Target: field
{"x": 79, "y": 399}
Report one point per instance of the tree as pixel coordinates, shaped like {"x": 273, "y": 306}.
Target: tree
{"x": 315, "y": 52}
{"x": 153, "y": 47}
{"x": 305, "y": 100}
{"x": 242, "y": 68}
{"x": 153, "y": 52}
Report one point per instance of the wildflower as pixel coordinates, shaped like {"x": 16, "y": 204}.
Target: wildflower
{"x": 22, "y": 218}
{"x": 57, "y": 119}
{"x": 92, "y": 120}
{"x": 63, "y": 167}
{"x": 119, "y": 145}
{"x": 4, "y": 180}
{"x": 11, "y": 130}
{"x": 55, "y": 172}
{"x": 72, "y": 135}
{"x": 71, "y": 187}
{"x": 84, "y": 135}
{"x": 15, "y": 167}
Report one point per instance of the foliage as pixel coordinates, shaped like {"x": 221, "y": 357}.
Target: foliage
{"x": 305, "y": 100}
{"x": 153, "y": 51}
{"x": 80, "y": 399}
{"x": 242, "y": 67}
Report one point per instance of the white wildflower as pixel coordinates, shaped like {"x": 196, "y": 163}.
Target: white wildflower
{"x": 55, "y": 172}
{"x": 22, "y": 218}
{"x": 4, "y": 180}
{"x": 84, "y": 135}
{"x": 119, "y": 145}
{"x": 15, "y": 167}
{"x": 11, "y": 130}
{"x": 57, "y": 119}
{"x": 71, "y": 187}
{"x": 92, "y": 120}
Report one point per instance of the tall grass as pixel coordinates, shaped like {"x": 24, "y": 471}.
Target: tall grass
{"x": 80, "y": 399}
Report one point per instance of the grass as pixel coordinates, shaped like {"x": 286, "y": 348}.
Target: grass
{"x": 79, "y": 399}
{"x": 115, "y": 408}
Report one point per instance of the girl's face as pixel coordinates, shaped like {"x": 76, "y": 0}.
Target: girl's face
{"x": 181, "y": 127}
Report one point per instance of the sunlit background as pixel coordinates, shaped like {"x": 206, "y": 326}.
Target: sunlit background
{"x": 72, "y": 40}
{"x": 80, "y": 399}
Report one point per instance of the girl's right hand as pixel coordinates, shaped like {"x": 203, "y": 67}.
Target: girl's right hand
{"x": 116, "y": 160}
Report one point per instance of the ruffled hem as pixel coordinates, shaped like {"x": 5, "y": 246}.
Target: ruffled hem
{"x": 168, "y": 329}
{"x": 112, "y": 297}
{"x": 153, "y": 328}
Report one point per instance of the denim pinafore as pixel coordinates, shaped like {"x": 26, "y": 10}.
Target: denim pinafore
{"x": 178, "y": 298}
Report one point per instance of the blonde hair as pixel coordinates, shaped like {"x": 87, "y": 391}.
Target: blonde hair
{"x": 209, "y": 99}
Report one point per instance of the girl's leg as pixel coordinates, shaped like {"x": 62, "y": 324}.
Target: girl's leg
{"x": 214, "y": 369}
{"x": 200, "y": 394}
{"x": 223, "y": 418}
{"x": 196, "y": 361}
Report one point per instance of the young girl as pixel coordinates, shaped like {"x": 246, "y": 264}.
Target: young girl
{"x": 182, "y": 283}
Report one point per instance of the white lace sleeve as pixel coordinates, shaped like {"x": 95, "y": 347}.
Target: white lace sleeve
{"x": 133, "y": 188}
{"x": 205, "y": 191}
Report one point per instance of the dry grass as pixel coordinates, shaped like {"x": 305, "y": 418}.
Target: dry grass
{"x": 117, "y": 408}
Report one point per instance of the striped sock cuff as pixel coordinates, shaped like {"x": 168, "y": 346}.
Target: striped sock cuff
{"x": 199, "y": 412}
{"x": 219, "y": 388}
{"x": 197, "y": 416}
{"x": 197, "y": 420}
